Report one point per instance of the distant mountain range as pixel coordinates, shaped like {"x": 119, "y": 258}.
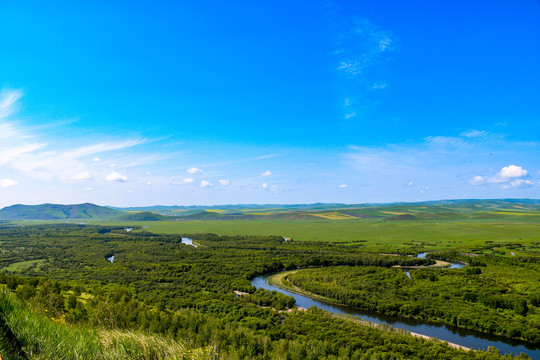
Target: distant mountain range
{"x": 432, "y": 210}
{"x": 57, "y": 212}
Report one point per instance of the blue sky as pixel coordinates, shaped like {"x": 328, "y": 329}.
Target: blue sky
{"x": 140, "y": 103}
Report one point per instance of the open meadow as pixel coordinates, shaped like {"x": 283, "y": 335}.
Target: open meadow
{"x": 430, "y": 235}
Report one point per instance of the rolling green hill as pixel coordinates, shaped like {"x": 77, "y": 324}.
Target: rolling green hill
{"x": 498, "y": 209}
{"x": 142, "y": 216}
{"x": 57, "y": 212}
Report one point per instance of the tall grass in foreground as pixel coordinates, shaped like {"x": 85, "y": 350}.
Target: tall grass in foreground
{"x": 42, "y": 338}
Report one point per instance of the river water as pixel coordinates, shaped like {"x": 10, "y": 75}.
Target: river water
{"x": 188, "y": 241}
{"x": 452, "y": 334}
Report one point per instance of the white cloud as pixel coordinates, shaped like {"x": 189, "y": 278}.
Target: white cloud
{"x": 343, "y": 186}
{"x": 96, "y": 159}
{"x": 521, "y": 183}
{"x": 379, "y": 85}
{"x": 362, "y": 47}
{"x": 347, "y": 102}
{"x": 264, "y": 185}
{"x": 8, "y": 182}
{"x": 352, "y": 67}
{"x": 444, "y": 140}
{"x": 478, "y": 180}
{"x": 512, "y": 171}
{"x": 8, "y": 100}
{"x": 384, "y": 44}
{"x": 205, "y": 184}
{"x": 183, "y": 182}
{"x": 20, "y": 151}
{"x": 506, "y": 174}
{"x": 148, "y": 183}
{"x": 410, "y": 183}
{"x": 266, "y": 173}
{"x": 88, "y": 188}
{"x": 114, "y": 176}
{"x": 350, "y": 115}
{"x": 193, "y": 170}
{"x": 224, "y": 182}
{"x": 81, "y": 175}
{"x": 474, "y": 133}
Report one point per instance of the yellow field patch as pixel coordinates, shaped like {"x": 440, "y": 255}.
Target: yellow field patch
{"x": 215, "y": 211}
{"x": 516, "y": 213}
{"x": 395, "y": 213}
{"x": 333, "y": 216}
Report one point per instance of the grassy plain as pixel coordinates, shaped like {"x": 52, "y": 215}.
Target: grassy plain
{"x": 23, "y": 265}
{"x": 430, "y": 235}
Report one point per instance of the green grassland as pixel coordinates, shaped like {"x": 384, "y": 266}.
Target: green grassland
{"x": 24, "y": 265}
{"x": 430, "y": 235}
{"x": 431, "y": 225}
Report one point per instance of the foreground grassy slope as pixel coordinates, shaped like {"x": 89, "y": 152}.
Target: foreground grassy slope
{"x": 29, "y": 335}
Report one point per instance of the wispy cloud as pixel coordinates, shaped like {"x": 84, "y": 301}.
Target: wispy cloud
{"x": 206, "y": 184}
{"x": 266, "y": 173}
{"x": 8, "y": 101}
{"x": 362, "y": 46}
{"x": 520, "y": 183}
{"x": 224, "y": 182}
{"x": 363, "y": 49}
{"x": 474, "y": 133}
{"x": 81, "y": 175}
{"x": 350, "y": 115}
{"x": 114, "y": 176}
{"x": 8, "y": 182}
{"x": 379, "y": 85}
{"x": 22, "y": 150}
{"x": 194, "y": 170}
{"x": 451, "y": 163}
{"x": 183, "y": 182}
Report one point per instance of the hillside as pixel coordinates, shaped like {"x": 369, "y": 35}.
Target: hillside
{"x": 432, "y": 210}
{"x": 497, "y": 209}
{"x": 141, "y": 216}
{"x": 58, "y": 212}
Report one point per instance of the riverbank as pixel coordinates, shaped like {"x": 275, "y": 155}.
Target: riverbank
{"x": 438, "y": 264}
{"x": 444, "y": 331}
{"x": 279, "y": 280}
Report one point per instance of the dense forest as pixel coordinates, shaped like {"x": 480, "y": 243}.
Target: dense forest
{"x": 500, "y": 297}
{"x": 157, "y": 285}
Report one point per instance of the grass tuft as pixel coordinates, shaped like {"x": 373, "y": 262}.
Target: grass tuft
{"x": 38, "y": 337}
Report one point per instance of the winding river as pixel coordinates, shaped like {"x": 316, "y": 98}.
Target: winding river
{"x": 467, "y": 338}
